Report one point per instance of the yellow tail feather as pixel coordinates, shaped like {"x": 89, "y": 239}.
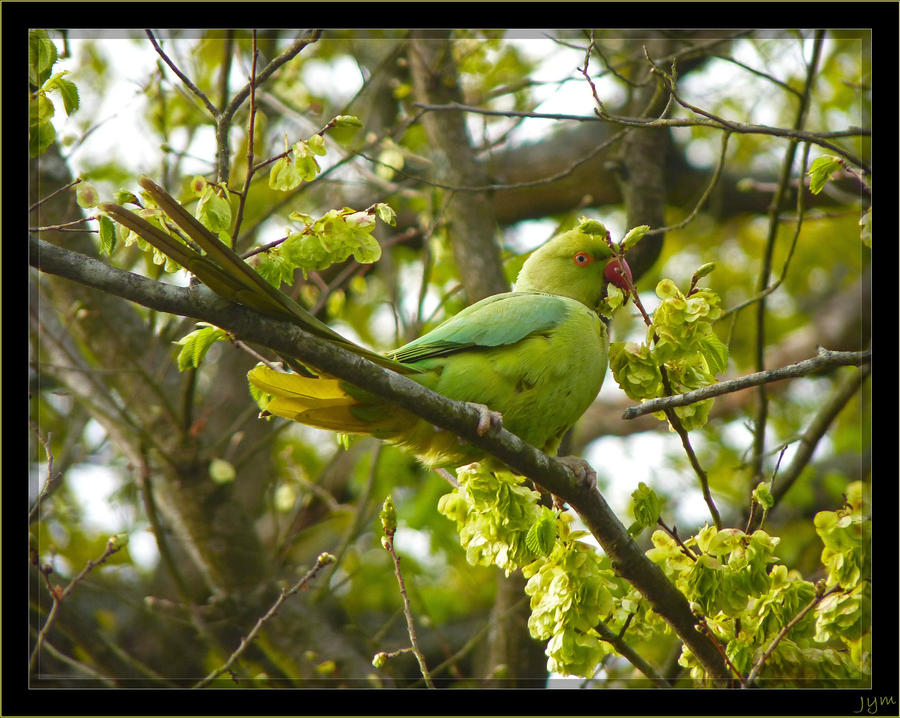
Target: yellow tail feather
{"x": 316, "y": 401}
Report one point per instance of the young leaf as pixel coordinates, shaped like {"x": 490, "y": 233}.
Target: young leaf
{"x": 542, "y": 534}
{"x": 386, "y": 213}
{"x": 865, "y": 234}
{"x": 107, "y": 234}
{"x": 213, "y": 210}
{"x": 195, "y": 345}
{"x": 820, "y": 172}
{"x": 284, "y": 175}
{"x": 86, "y": 196}
{"x": 634, "y": 236}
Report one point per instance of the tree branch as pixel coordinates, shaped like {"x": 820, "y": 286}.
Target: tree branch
{"x": 627, "y": 558}
{"x": 826, "y": 359}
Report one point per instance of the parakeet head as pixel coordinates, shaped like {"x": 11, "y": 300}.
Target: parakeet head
{"x": 575, "y": 264}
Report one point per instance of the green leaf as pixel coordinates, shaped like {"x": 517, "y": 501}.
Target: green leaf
{"x": 646, "y": 508}
{"x": 123, "y": 196}
{"x": 40, "y": 137}
{"x": 107, "y": 234}
{"x": 634, "y": 236}
{"x": 386, "y": 213}
{"x": 542, "y": 534}
{"x": 40, "y": 109}
{"x": 41, "y": 56}
{"x": 763, "y": 494}
{"x": 714, "y": 351}
{"x": 284, "y": 175}
{"x": 275, "y": 269}
{"x": 592, "y": 226}
{"x": 86, "y": 196}
{"x": 66, "y": 89}
{"x": 316, "y": 144}
{"x": 346, "y": 121}
{"x": 195, "y": 345}
{"x": 820, "y": 172}
{"x": 368, "y": 251}
{"x": 865, "y": 234}
{"x": 213, "y": 211}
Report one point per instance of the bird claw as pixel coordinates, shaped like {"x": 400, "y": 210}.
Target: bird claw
{"x": 488, "y": 420}
{"x": 582, "y": 471}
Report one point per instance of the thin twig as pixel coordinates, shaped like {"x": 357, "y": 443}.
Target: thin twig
{"x": 323, "y": 560}
{"x": 49, "y": 227}
{"x": 784, "y": 269}
{"x": 817, "y": 428}
{"x": 250, "y": 136}
{"x": 211, "y": 108}
{"x": 407, "y": 611}
{"x": 759, "y": 425}
{"x": 673, "y": 532}
{"x": 674, "y": 421}
{"x": 717, "y": 173}
{"x": 59, "y": 595}
{"x": 629, "y": 654}
{"x": 708, "y": 120}
{"x": 704, "y": 627}
{"x": 825, "y": 359}
{"x": 53, "y": 194}
{"x": 816, "y": 600}
{"x": 168, "y": 560}
{"x": 51, "y": 482}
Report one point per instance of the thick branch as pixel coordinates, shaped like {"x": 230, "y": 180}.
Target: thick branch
{"x": 198, "y": 302}
{"x": 470, "y": 216}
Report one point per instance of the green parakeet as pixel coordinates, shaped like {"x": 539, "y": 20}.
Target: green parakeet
{"x": 536, "y": 355}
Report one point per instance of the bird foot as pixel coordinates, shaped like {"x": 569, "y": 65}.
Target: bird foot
{"x": 488, "y": 420}
{"x": 582, "y": 471}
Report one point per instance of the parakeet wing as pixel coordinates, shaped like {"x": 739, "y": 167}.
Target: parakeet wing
{"x": 499, "y": 320}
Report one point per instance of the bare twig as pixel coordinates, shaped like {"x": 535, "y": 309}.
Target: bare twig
{"x": 759, "y": 424}
{"x": 708, "y": 120}
{"x": 388, "y": 543}
{"x": 211, "y": 108}
{"x": 629, "y": 654}
{"x": 673, "y": 532}
{"x": 817, "y": 428}
{"x": 717, "y": 173}
{"x": 63, "y": 225}
{"x": 787, "y": 261}
{"x": 52, "y": 481}
{"x": 825, "y": 359}
{"x": 60, "y": 594}
{"x": 53, "y": 194}
{"x": 323, "y": 560}
{"x": 250, "y": 138}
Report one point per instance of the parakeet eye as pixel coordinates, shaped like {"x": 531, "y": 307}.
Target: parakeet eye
{"x": 582, "y": 259}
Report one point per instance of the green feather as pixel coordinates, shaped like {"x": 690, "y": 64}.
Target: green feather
{"x": 495, "y": 321}
{"x": 537, "y": 355}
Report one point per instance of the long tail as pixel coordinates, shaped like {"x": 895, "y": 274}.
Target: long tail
{"x": 327, "y": 403}
{"x": 225, "y": 272}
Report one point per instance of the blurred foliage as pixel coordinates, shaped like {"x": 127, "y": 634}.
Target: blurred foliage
{"x": 322, "y": 494}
